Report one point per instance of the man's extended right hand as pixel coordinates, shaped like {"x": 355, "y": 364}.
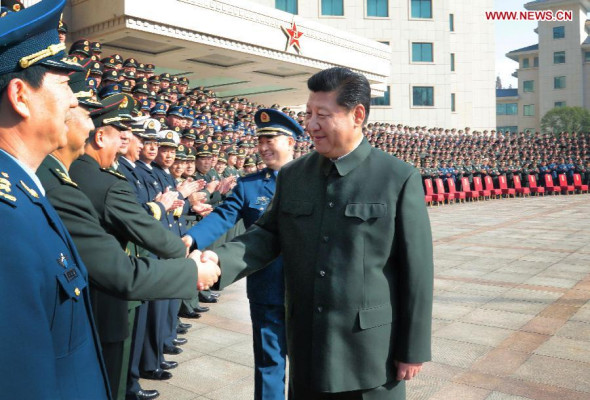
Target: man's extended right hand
{"x": 208, "y": 270}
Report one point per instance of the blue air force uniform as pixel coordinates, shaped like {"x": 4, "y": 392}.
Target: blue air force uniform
{"x": 266, "y": 287}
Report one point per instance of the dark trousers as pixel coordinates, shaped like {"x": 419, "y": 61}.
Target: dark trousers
{"x": 153, "y": 343}
{"x": 395, "y": 390}
{"x": 113, "y": 360}
{"x": 139, "y": 327}
{"x": 171, "y": 322}
{"x": 270, "y": 351}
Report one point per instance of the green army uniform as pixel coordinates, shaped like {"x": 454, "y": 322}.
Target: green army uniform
{"x": 358, "y": 269}
{"x": 113, "y": 274}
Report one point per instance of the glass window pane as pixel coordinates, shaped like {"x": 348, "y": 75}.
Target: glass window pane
{"x": 289, "y": 6}
{"x": 452, "y": 22}
{"x": 559, "y": 32}
{"x": 529, "y": 110}
{"x": 422, "y": 52}
{"x": 421, "y": 8}
{"x": 525, "y": 63}
{"x": 559, "y": 82}
{"x": 560, "y": 104}
{"x": 377, "y": 8}
{"x": 332, "y": 7}
{"x": 381, "y": 101}
{"x": 453, "y": 105}
{"x": 536, "y": 62}
{"x": 528, "y": 86}
{"x": 511, "y": 109}
{"x": 452, "y": 61}
{"x": 587, "y": 56}
{"x": 423, "y": 96}
{"x": 559, "y": 57}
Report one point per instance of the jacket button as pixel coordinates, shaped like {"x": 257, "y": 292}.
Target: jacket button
{"x": 170, "y": 225}
{"x": 320, "y": 309}
{"x": 325, "y": 239}
{"x": 322, "y": 273}
{"x": 331, "y": 204}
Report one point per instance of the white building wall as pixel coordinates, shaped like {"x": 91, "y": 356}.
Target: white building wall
{"x": 473, "y": 81}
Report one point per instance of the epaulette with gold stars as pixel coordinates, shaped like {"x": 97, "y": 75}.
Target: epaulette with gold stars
{"x": 5, "y": 190}
{"x": 117, "y": 174}
{"x": 32, "y": 192}
{"x": 65, "y": 178}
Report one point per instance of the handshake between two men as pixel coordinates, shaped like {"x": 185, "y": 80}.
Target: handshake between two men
{"x": 207, "y": 267}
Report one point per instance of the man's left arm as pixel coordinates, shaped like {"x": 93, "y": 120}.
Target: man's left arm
{"x": 415, "y": 273}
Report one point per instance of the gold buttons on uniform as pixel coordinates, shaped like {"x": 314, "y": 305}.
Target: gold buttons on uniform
{"x": 77, "y": 292}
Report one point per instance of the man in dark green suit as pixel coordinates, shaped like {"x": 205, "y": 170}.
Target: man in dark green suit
{"x": 351, "y": 224}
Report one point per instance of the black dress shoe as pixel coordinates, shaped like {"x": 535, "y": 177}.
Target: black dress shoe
{"x": 201, "y": 309}
{"x": 157, "y": 375}
{"x": 179, "y": 341}
{"x": 184, "y": 326}
{"x": 181, "y": 331}
{"x": 207, "y": 299}
{"x": 216, "y": 295}
{"x": 168, "y": 364}
{"x": 146, "y": 394}
{"x": 173, "y": 350}
{"x": 189, "y": 314}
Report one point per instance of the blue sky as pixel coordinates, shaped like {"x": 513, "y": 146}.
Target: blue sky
{"x": 511, "y": 35}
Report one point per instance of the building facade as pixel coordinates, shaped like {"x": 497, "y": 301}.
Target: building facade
{"x": 551, "y": 73}
{"x": 442, "y": 56}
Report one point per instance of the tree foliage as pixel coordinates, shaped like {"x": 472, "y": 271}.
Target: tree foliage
{"x": 566, "y": 119}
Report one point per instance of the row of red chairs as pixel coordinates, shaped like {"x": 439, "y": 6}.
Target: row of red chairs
{"x": 478, "y": 190}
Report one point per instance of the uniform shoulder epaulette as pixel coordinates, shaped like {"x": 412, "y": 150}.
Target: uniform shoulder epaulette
{"x": 64, "y": 178}
{"x": 6, "y": 190}
{"x": 117, "y": 174}
{"x": 252, "y": 175}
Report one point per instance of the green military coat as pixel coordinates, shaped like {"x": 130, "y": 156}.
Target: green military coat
{"x": 357, "y": 248}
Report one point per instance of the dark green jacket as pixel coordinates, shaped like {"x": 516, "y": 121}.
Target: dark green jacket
{"x": 115, "y": 217}
{"x": 357, "y": 252}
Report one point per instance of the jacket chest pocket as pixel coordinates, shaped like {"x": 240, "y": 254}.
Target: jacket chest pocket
{"x": 297, "y": 208}
{"x": 365, "y": 212}
{"x": 71, "y": 324}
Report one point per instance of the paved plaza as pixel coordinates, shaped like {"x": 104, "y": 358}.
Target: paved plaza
{"x": 511, "y": 311}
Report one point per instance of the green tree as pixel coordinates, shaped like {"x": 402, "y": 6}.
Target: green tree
{"x": 566, "y": 119}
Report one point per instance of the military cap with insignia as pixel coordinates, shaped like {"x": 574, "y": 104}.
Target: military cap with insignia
{"x": 81, "y": 46}
{"x": 222, "y": 158}
{"x": 80, "y": 87}
{"x": 204, "y": 150}
{"x": 141, "y": 88}
{"x": 226, "y": 140}
{"x": 150, "y": 67}
{"x": 231, "y": 150}
{"x": 250, "y": 162}
{"x": 96, "y": 68}
{"x": 177, "y": 111}
{"x": 190, "y": 154}
{"x": 115, "y": 110}
{"x": 145, "y": 105}
{"x": 200, "y": 139}
{"x": 168, "y": 138}
{"x": 118, "y": 59}
{"x": 165, "y": 77}
{"x": 183, "y": 81}
{"x": 29, "y": 37}
{"x": 109, "y": 62}
{"x": 271, "y": 122}
{"x": 130, "y": 62}
{"x": 126, "y": 86}
{"x": 155, "y": 80}
{"x": 241, "y": 153}
{"x": 13, "y": 5}
{"x": 110, "y": 90}
{"x": 138, "y": 129}
{"x": 189, "y": 133}
{"x": 129, "y": 75}
{"x": 96, "y": 47}
{"x": 181, "y": 152}
{"x": 159, "y": 109}
{"x": 112, "y": 75}
{"x": 151, "y": 127}
{"x": 215, "y": 148}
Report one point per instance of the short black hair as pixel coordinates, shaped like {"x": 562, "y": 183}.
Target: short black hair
{"x": 33, "y": 76}
{"x": 352, "y": 88}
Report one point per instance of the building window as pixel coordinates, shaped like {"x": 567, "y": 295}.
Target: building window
{"x": 505, "y": 129}
{"x": 559, "y": 32}
{"x": 559, "y": 82}
{"x": 559, "y": 104}
{"x": 453, "y": 106}
{"x": 333, "y": 7}
{"x": 383, "y": 100}
{"x": 536, "y": 62}
{"x": 587, "y": 56}
{"x": 452, "y": 62}
{"x": 377, "y": 8}
{"x": 422, "y": 52}
{"x": 421, "y": 8}
{"x": 423, "y": 96}
{"x": 528, "y": 86}
{"x": 452, "y": 22}
{"x": 525, "y": 63}
{"x": 386, "y": 42}
{"x": 559, "y": 57}
{"x": 507, "y": 109}
{"x": 289, "y": 6}
{"x": 529, "y": 110}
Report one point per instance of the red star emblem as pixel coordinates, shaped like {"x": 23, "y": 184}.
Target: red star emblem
{"x": 293, "y": 36}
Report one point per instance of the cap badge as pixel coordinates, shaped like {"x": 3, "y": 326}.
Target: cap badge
{"x": 264, "y": 117}
{"x": 124, "y": 103}
{"x": 169, "y": 135}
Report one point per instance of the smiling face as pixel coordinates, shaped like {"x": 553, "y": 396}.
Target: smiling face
{"x": 335, "y": 131}
{"x": 276, "y": 151}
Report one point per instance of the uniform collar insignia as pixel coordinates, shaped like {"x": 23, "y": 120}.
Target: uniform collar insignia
{"x": 262, "y": 200}
{"x": 65, "y": 178}
{"x": 32, "y": 192}
{"x": 4, "y": 174}
{"x": 5, "y": 185}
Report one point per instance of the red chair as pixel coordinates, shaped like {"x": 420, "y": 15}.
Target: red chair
{"x": 504, "y": 186}
{"x": 440, "y": 189}
{"x": 577, "y": 184}
{"x": 549, "y": 185}
{"x": 564, "y": 186}
{"x": 466, "y": 188}
{"x": 523, "y": 191}
{"x": 533, "y": 186}
{"x": 489, "y": 182}
{"x": 430, "y": 192}
{"x": 477, "y": 185}
{"x": 452, "y": 189}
